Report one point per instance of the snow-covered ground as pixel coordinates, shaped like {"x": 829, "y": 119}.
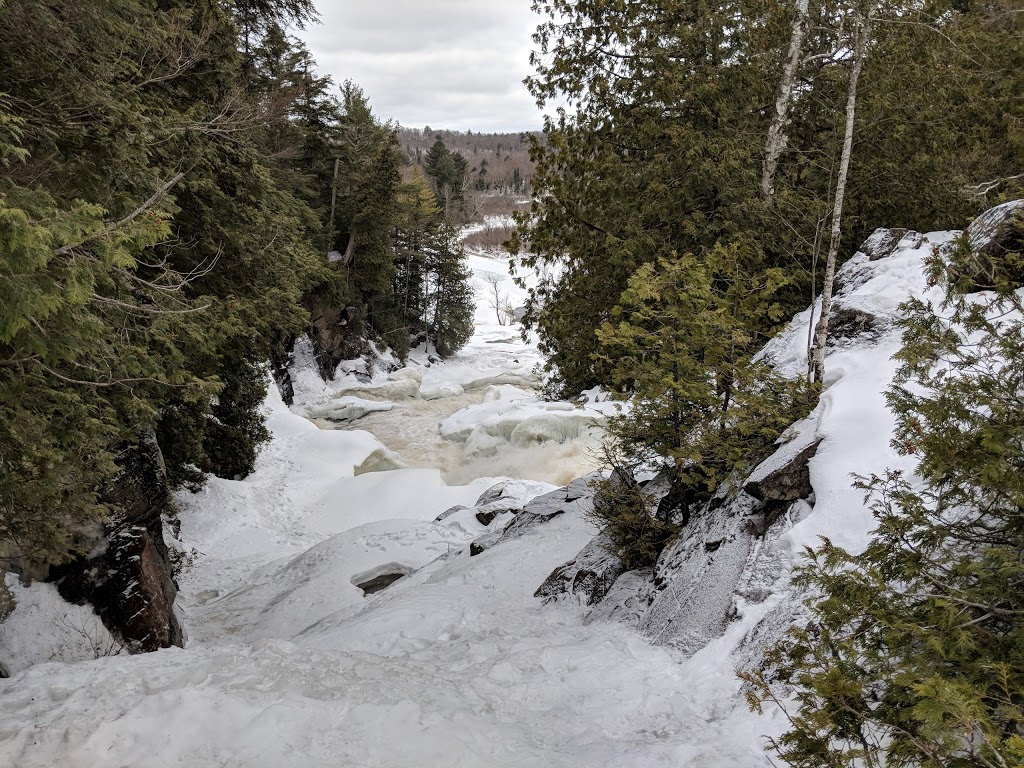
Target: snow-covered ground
{"x": 456, "y": 664}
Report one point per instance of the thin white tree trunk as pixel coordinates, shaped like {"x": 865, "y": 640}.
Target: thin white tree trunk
{"x": 777, "y": 138}
{"x": 863, "y": 25}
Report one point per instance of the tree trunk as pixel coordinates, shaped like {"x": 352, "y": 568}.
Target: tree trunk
{"x": 777, "y": 139}
{"x": 350, "y": 251}
{"x": 817, "y": 362}
{"x": 334, "y": 201}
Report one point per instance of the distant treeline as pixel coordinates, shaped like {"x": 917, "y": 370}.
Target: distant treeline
{"x": 496, "y": 162}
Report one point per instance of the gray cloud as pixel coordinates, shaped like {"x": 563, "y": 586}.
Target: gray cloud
{"x": 445, "y": 63}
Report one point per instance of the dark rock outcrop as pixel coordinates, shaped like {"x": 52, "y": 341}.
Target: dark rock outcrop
{"x": 628, "y": 599}
{"x": 786, "y": 474}
{"x": 882, "y": 242}
{"x": 848, "y": 323}
{"x": 280, "y": 363}
{"x": 486, "y": 516}
{"x": 336, "y": 336}
{"x": 588, "y": 577}
{"x": 127, "y": 576}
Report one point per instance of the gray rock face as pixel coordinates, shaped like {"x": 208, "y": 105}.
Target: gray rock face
{"x": 588, "y": 577}
{"x": 726, "y": 553}
{"x": 129, "y": 582}
{"x": 848, "y": 323}
{"x": 697, "y": 575}
{"x": 627, "y": 601}
{"x": 882, "y": 242}
{"x": 582, "y": 487}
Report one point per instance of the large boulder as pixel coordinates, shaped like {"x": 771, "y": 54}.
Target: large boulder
{"x": 696, "y": 575}
{"x": 991, "y": 237}
{"x": 990, "y": 234}
{"x": 127, "y": 576}
{"x": 588, "y": 577}
{"x": 882, "y": 242}
{"x": 846, "y": 324}
{"x": 786, "y": 474}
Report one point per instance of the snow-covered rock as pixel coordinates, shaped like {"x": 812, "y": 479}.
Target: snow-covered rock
{"x": 282, "y": 600}
{"x": 456, "y": 662}
{"x": 587, "y": 577}
{"x": 786, "y": 474}
{"x": 987, "y": 233}
{"x": 345, "y": 410}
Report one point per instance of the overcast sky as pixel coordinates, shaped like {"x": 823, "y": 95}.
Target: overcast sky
{"x": 455, "y": 64}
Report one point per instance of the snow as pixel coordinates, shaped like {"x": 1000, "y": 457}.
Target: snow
{"x": 44, "y": 627}
{"x": 456, "y": 664}
{"x": 853, "y": 420}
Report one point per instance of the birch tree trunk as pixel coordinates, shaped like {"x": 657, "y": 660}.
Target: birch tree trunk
{"x": 777, "y": 139}
{"x": 863, "y": 32}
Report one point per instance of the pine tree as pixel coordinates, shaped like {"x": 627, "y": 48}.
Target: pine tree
{"x": 915, "y": 655}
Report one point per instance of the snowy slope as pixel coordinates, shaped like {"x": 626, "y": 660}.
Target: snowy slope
{"x": 456, "y": 665}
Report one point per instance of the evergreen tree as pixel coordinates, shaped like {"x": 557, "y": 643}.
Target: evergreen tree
{"x": 447, "y": 173}
{"x": 915, "y": 655}
{"x": 681, "y": 348}
{"x": 156, "y": 243}
{"x": 417, "y": 219}
{"x": 451, "y": 304}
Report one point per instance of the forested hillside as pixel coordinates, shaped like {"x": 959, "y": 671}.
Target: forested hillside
{"x": 496, "y": 162}
{"x": 180, "y": 196}
{"x": 478, "y": 177}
